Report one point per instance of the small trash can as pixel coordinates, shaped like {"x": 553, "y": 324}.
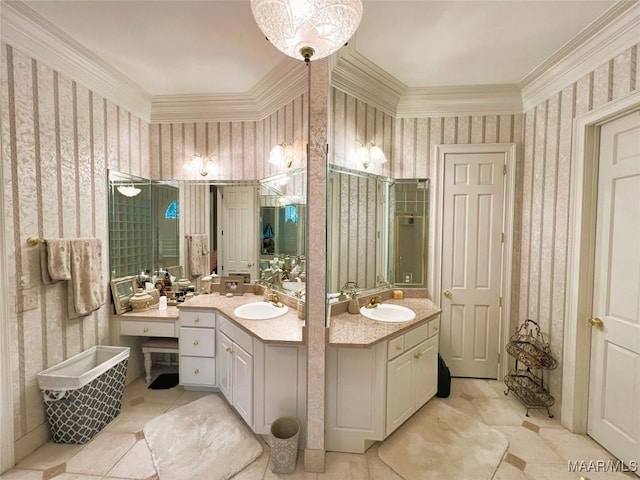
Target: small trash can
{"x": 285, "y": 432}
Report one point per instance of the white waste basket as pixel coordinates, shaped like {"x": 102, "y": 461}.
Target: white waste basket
{"x": 285, "y": 432}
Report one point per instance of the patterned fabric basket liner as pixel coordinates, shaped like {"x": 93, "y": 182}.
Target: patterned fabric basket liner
{"x": 83, "y": 394}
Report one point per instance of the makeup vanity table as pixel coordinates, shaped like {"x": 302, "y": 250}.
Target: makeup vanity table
{"x": 161, "y": 326}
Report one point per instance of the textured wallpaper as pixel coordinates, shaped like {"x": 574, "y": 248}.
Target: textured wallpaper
{"x": 58, "y": 141}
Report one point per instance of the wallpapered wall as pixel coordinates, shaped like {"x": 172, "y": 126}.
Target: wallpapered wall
{"x": 543, "y": 186}
{"x": 58, "y": 140}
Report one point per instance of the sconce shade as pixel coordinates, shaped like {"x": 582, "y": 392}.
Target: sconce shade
{"x": 128, "y": 190}
{"x": 370, "y": 154}
{"x": 282, "y": 155}
{"x": 295, "y": 26}
{"x": 200, "y": 164}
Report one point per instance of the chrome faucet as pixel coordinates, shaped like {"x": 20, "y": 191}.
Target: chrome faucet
{"x": 374, "y": 302}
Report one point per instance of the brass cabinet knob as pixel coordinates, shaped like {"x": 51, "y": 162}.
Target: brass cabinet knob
{"x": 447, "y": 293}
{"x": 596, "y": 322}
{"x": 196, "y": 320}
{"x": 417, "y": 355}
{"x": 196, "y": 371}
{"x": 398, "y": 347}
{"x": 195, "y": 342}
{"x": 145, "y": 329}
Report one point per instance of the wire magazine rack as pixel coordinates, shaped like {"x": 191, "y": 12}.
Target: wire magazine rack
{"x": 533, "y": 357}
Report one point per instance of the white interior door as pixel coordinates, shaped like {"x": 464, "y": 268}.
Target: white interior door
{"x": 472, "y": 235}
{"x": 614, "y": 385}
{"x": 239, "y": 240}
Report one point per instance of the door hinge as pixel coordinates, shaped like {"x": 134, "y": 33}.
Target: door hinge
{"x": 502, "y": 237}
{"x": 504, "y": 169}
{"x": 498, "y": 359}
{"x": 500, "y": 302}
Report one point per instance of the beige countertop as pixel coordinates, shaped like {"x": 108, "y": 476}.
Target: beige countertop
{"x": 356, "y": 330}
{"x": 168, "y": 315}
{"x": 287, "y": 328}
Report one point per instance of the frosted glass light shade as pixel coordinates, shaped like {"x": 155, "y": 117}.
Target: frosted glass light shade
{"x": 128, "y": 190}
{"x": 323, "y": 25}
{"x": 282, "y": 155}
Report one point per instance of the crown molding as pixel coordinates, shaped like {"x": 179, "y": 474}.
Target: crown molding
{"x": 460, "y": 100}
{"x": 615, "y": 31}
{"x": 356, "y": 75}
{"x": 38, "y": 38}
{"x": 283, "y": 84}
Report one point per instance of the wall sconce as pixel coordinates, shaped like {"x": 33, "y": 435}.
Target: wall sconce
{"x": 201, "y": 164}
{"x": 128, "y": 190}
{"x": 282, "y": 155}
{"x": 370, "y": 154}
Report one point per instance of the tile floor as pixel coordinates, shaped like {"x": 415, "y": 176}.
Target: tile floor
{"x": 539, "y": 448}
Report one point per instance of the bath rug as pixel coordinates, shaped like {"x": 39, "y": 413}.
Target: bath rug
{"x": 164, "y": 381}
{"x": 442, "y": 442}
{"x": 204, "y": 439}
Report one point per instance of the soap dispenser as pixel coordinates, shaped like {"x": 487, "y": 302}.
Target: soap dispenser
{"x": 353, "y": 303}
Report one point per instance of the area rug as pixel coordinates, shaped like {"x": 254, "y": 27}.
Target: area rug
{"x": 441, "y": 442}
{"x": 165, "y": 381}
{"x": 201, "y": 440}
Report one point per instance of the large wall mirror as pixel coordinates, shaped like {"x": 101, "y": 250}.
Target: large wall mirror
{"x": 282, "y": 230}
{"x": 409, "y": 224}
{"x": 358, "y": 229}
{"x": 143, "y": 225}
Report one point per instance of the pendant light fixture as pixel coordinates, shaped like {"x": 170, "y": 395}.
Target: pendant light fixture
{"x": 307, "y": 28}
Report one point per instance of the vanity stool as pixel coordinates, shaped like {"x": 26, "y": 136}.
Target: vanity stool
{"x": 158, "y": 345}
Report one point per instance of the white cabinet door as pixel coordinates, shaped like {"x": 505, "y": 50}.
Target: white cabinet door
{"x": 242, "y": 383}
{"x": 400, "y": 401}
{"x": 425, "y": 371}
{"x": 224, "y": 364}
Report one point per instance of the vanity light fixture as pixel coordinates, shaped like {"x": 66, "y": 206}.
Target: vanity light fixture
{"x": 370, "y": 154}
{"x": 307, "y": 28}
{"x": 283, "y": 155}
{"x": 128, "y": 190}
{"x": 201, "y": 164}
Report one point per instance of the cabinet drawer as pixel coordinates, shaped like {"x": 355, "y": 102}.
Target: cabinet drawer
{"x": 395, "y": 347}
{"x": 415, "y": 336}
{"x": 197, "y": 371}
{"x": 434, "y": 326}
{"x": 198, "y": 342}
{"x": 197, "y": 318}
{"x": 235, "y": 334}
{"x": 147, "y": 329}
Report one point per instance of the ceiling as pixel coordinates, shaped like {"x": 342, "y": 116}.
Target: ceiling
{"x": 215, "y": 47}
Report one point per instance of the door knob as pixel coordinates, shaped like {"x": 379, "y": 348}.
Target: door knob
{"x": 447, "y": 293}
{"x": 596, "y": 322}
{"x": 249, "y": 265}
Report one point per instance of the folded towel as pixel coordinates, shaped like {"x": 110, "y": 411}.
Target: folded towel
{"x": 198, "y": 252}
{"x": 58, "y": 258}
{"x": 87, "y": 278}
{"x": 44, "y": 265}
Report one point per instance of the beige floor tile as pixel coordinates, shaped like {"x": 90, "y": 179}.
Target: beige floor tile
{"x": 498, "y": 387}
{"x": 74, "y": 476}
{"x": 134, "y": 418}
{"x": 49, "y": 455}
{"x": 135, "y": 389}
{"x": 496, "y": 411}
{"x": 529, "y": 446}
{"x": 477, "y": 387}
{"x": 168, "y": 395}
{"x": 574, "y": 447}
{"x": 507, "y": 471}
{"x": 536, "y": 416}
{"x": 21, "y": 474}
{"x": 136, "y": 463}
{"x": 459, "y": 403}
{"x": 298, "y": 474}
{"x": 101, "y": 454}
{"x": 188, "y": 396}
{"x": 345, "y": 466}
{"x": 549, "y": 471}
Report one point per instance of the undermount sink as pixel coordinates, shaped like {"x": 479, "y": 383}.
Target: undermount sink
{"x": 388, "y": 312}
{"x": 260, "y": 311}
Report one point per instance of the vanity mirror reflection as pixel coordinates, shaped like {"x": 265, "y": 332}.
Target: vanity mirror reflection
{"x": 282, "y": 231}
{"x": 143, "y": 225}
